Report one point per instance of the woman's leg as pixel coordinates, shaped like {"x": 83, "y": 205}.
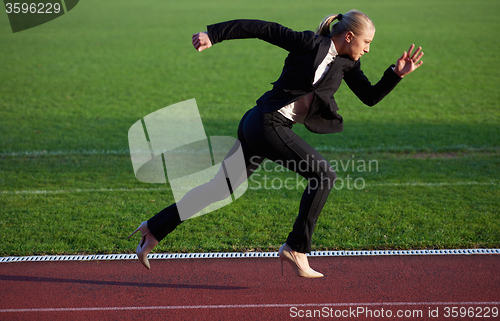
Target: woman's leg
{"x": 279, "y": 143}
{"x": 202, "y": 196}
{"x": 269, "y": 135}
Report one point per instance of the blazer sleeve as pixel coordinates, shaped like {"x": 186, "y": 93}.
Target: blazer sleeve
{"x": 370, "y": 94}
{"x": 271, "y": 32}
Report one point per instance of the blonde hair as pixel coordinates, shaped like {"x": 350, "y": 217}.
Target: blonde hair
{"x": 355, "y": 21}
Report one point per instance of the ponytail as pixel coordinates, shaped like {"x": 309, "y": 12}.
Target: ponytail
{"x": 354, "y": 21}
{"x": 324, "y": 26}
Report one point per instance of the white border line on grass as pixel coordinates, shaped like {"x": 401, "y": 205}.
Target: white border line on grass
{"x": 324, "y": 148}
{"x": 251, "y": 306}
{"x": 65, "y": 152}
{"x": 94, "y": 190}
{"x": 88, "y": 190}
{"x": 229, "y": 255}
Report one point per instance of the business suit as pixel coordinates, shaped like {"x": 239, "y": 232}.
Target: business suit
{"x": 307, "y": 50}
{"x": 266, "y": 133}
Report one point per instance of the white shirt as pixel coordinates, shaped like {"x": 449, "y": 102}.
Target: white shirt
{"x": 297, "y": 111}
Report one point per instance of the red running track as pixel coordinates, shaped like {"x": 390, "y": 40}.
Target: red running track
{"x": 357, "y": 288}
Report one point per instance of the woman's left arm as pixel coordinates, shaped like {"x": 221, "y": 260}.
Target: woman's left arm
{"x": 371, "y": 94}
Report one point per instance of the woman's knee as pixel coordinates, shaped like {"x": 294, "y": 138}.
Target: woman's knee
{"x": 328, "y": 178}
{"x": 326, "y": 173}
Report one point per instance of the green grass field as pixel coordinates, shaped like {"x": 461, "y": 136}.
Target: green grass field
{"x": 70, "y": 90}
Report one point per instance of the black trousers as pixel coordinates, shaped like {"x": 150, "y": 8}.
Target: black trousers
{"x": 269, "y": 135}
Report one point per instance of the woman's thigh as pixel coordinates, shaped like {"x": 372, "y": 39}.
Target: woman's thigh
{"x": 270, "y": 135}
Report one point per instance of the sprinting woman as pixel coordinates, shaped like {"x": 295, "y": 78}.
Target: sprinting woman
{"x": 304, "y": 93}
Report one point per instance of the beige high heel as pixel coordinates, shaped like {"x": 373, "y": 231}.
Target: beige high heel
{"x": 286, "y": 253}
{"x": 146, "y": 245}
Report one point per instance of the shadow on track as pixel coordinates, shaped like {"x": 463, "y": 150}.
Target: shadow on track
{"x": 21, "y": 278}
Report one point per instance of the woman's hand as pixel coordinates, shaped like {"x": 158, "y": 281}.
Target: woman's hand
{"x": 409, "y": 62}
{"x": 201, "y": 41}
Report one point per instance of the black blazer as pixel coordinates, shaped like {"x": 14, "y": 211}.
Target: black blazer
{"x": 307, "y": 51}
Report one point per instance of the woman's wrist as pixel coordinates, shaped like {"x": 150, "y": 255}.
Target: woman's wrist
{"x": 397, "y": 73}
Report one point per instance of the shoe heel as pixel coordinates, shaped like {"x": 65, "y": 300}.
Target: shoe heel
{"x": 143, "y": 228}
{"x": 134, "y": 232}
{"x": 146, "y": 244}
{"x": 287, "y": 254}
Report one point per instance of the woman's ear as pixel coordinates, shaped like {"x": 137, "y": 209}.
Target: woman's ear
{"x": 348, "y": 36}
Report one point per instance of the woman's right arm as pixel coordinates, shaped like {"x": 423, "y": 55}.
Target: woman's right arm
{"x": 271, "y": 32}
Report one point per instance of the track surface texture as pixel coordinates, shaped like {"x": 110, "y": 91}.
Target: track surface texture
{"x": 354, "y": 288}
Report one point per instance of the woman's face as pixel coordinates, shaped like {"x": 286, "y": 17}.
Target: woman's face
{"x": 358, "y": 45}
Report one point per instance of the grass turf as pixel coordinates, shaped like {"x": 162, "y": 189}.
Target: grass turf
{"x": 71, "y": 88}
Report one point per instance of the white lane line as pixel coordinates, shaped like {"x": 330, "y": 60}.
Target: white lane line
{"x": 251, "y": 306}
{"x": 94, "y": 190}
{"x": 242, "y": 255}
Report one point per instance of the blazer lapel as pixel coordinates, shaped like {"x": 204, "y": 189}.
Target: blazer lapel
{"x": 322, "y": 51}
{"x": 339, "y": 63}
